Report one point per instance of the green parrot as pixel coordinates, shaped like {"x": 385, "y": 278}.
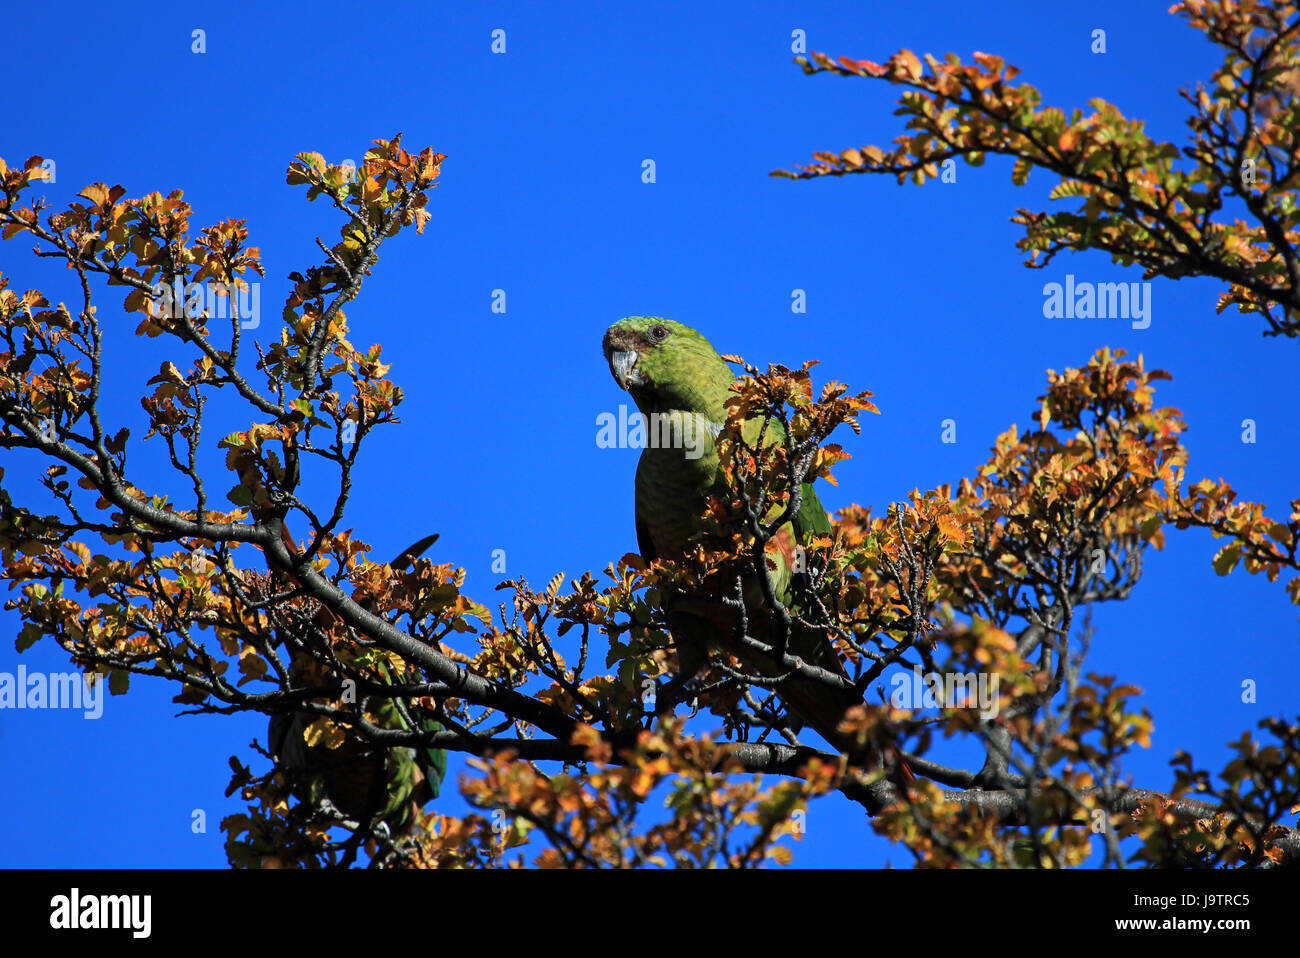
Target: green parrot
{"x": 364, "y": 781}
{"x": 675, "y": 374}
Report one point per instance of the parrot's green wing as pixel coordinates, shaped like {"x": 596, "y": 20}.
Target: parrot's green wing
{"x": 431, "y": 762}
{"x": 811, "y": 519}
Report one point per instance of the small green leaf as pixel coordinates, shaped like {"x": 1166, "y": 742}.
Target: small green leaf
{"x": 118, "y": 682}
{"x": 28, "y": 636}
{"x": 1227, "y": 559}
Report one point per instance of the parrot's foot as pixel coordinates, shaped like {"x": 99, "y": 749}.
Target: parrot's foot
{"x": 668, "y": 697}
{"x": 330, "y": 810}
{"x": 675, "y": 691}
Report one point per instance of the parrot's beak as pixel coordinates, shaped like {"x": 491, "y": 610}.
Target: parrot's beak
{"x": 622, "y": 363}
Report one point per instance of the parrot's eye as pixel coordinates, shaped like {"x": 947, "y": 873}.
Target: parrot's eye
{"x": 658, "y": 333}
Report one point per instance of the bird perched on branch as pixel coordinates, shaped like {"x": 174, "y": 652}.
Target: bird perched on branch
{"x": 367, "y": 782}
{"x": 681, "y": 385}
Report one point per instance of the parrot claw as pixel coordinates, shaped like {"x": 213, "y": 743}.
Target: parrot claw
{"x": 673, "y": 692}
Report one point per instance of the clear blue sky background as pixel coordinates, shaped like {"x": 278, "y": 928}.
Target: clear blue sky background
{"x": 917, "y": 294}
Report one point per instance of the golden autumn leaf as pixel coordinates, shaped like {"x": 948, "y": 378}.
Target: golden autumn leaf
{"x": 780, "y": 854}
{"x": 323, "y": 732}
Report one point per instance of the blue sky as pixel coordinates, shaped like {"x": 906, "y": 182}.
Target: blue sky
{"x": 915, "y": 293}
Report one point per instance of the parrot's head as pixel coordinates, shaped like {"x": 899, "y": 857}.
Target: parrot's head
{"x": 666, "y": 365}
